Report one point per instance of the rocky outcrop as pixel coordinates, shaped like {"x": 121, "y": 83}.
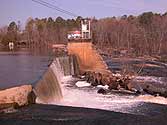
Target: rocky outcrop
{"x": 123, "y": 83}
{"x": 147, "y": 88}
{"x": 102, "y": 91}
{"x": 98, "y": 78}
{"x": 16, "y": 97}
{"x": 8, "y": 107}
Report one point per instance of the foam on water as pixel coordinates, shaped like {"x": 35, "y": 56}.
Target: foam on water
{"x": 81, "y": 95}
{"x": 152, "y": 99}
{"x": 86, "y": 96}
{"x": 66, "y": 79}
{"x": 82, "y": 84}
{"x": 104, "y": 87}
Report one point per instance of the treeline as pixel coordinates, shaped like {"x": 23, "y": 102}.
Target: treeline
{"x": 9, "y": 34}
{"x": 145, "y": 34}
{"x": 42, "y": 33}
{"x": 39, "y": 34}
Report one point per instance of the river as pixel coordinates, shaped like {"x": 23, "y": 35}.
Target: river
{"x": 21, "y": 68}
{"x": 18, "y": 69}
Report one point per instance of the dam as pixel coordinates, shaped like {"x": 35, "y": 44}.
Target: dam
{"x": 48, "y": 88}
{"x": 59, "y": 85}
{"x": 87, "y": 56}
{"x": 59, "y": 88}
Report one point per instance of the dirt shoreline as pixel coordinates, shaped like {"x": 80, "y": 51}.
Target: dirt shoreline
{"x": 63, "y": 115}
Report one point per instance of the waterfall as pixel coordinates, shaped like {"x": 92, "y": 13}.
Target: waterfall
{"x": 48, "y": 88}
{"x": 65, "y": 66}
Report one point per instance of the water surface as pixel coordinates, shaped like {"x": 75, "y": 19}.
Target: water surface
{"x": 18, "y": 69}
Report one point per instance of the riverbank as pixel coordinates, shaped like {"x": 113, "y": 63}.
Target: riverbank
{"x": 64, "y": 115}
{"x": 15, "y": 53}
{"x": 16, "y": 97}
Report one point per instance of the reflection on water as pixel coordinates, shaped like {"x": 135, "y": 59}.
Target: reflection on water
{"x": 18, "y": 69}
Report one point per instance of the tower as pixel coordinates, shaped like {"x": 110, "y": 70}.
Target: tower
{"x": 85, "y": 29}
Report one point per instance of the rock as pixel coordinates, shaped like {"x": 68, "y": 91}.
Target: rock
{"x": 135, "y": 85}
{"x": 102, "y": 91}
{"x": 113, "y": 86}
{"x": 164, "y": 94}
{"x": 99, "y": 78}
{"x": 146, "y": 88}
{"x": 155, "y": 91}
{"x": 94, "y": 80}
{"x": 123, "y": 81}
{"x": 22, "y": 95}
{"x": 113, "y": 83}
{"x": 105, "y": 80}
{"x": 31, "y": 98}
{"x": 8, "y": 107}
{"x": 89, "y": 77}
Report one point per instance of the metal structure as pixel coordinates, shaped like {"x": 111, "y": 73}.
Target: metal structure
{"x": 83, "y": 34}
{"x": 85, "y": 29}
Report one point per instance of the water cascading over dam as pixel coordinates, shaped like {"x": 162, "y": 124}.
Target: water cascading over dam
{"x": 83, "y": 57}
{"x": 54, "y": 88}
{"x": 48, "y": 88}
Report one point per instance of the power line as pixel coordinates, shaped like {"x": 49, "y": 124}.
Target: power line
{"x": 54, "y": 7}
{"x": 46, "y": 4}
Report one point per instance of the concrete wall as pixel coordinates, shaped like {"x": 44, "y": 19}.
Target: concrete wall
{"x": 87, "y": 56}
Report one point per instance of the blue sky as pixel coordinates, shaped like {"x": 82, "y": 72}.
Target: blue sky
{"x": 21, "y": 10}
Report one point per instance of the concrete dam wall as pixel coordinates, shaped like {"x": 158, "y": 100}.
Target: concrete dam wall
{"x": 87, "y": 56}
{"x": 48, "y": 88}
{"x": 82, "y": 57}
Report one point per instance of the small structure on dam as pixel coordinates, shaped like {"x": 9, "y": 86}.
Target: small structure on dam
{"x": 83, "y": 34}
{"x": 85, "y": 29}
{"x": 82, "y": 57}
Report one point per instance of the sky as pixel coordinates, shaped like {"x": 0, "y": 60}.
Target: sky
{"x": 21, "y": 10}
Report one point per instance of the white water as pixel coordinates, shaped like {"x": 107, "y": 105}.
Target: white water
{"x": 79, "y": 95}
{"x": 82, "y": 84}
{"x": 87, "y": 96}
